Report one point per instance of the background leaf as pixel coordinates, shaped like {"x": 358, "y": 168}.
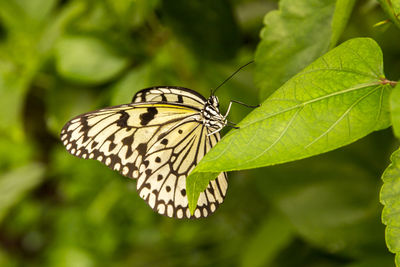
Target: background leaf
{"x": 12, "y": 189}
{"x": 276, "y": 228}
{"x": 392, "y": 10}
{"x": 312, "y": 198}
{"x": 395, "y": 109}
{"x": 32, "y": 34}
{"x": 340, "y": 18}
{"x": 206, "y": 26}
{"x": 287, "y": 46}
{"x": 390, "y": 213}
{"x": 87, "y": 60}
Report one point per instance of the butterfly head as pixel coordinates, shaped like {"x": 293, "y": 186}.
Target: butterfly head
{"x": 213, "y": 101}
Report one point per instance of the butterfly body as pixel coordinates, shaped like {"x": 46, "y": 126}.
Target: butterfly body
{"x": 212, "y": 117}
{"x": 157, "y": 139}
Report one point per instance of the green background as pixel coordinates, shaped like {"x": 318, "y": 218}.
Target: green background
{"x": 62, "y": 58}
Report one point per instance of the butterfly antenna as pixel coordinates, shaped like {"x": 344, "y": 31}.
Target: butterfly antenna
{"x": 233, "y": 74}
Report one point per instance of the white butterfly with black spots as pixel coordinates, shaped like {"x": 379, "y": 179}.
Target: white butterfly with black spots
{"x": 157, "y": 139}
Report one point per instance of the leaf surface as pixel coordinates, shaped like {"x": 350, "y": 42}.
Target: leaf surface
{"x": 293, "y": 37}
{"x": 391, "y": 211}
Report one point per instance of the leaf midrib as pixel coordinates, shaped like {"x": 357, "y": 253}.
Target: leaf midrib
{"x": 303, "y": 104}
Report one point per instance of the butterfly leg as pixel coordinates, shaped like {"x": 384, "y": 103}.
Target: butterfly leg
{"x": 232, "y": 125}
{"x": 229, "y": 108}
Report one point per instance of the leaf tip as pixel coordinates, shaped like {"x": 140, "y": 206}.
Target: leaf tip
{"x": 196, "y": 183}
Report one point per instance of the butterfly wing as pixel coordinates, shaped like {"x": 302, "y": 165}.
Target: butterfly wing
{"x": 149, "y": 141}
{"x": 119, "y": 136}
{"x": 162, "y": 182}
{"x": 171, "y": 94}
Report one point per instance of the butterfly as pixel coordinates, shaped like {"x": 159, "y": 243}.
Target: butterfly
{"x": 157, "y": 139}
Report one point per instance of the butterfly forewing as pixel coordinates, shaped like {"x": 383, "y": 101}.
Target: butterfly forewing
{"x": 119, "y": 136}
{"x": 159, "y": 142}
{"x": 177, "y": 95}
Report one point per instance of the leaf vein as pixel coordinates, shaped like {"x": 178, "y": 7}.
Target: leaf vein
{"x": 339, "y": 70}
{"x": 341, "y": 117}
{"x": 363, "y": 61}
{"x": 360, "y": 86}
{"x": 279, "y": 137}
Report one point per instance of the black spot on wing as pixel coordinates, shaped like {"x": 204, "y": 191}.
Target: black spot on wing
{"x": 210, "y": 189}
{"x": 112, "y": 146}
{"x": 143, "y": 96}
{"x": 139, "y": 97}
{"x": 123, "y": 120}
{"x": 180, "y": 99}
{"x": 127, "y": 141}
{"x": 94, "y": 144}
{"x": 129, "y": 152}
{"x": 111, "y": 137}
{"x": 164, "y": 141}
{"x": 142, "y": 148}
{"x": 146, "y": 117}
{"x": 85, "y": 125}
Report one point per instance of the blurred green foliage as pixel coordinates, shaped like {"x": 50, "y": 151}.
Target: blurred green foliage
{"x": 62, "y": 58}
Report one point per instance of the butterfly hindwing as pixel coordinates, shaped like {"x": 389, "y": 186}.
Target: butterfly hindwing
{"x": 171, "y": 159}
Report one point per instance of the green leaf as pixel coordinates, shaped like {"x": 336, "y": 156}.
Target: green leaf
{"x": 12, "y": 91}
{"x": 132, "y": 12}
{"x": 65, "y": 102}
{"x": 395, "y": 109}
{"x": 392, "y": 9}
{"x": 336, "y": 100}
{"x": 293, "y": 36}
{"x": 340, "y": 18}
{"x": 69, "y": 256}
{"x": 131, "y": 83}
{"x": 15, "y": 152}
{"x": 198, "y": 183}
{"x": 372, "y": 261}
{"x": 16, "y": 183}
{"x": 257, "y": 252}
{"x": 389, "y": 198}
{"x": 104, "y": 201}
{"x": 87, "y": 60}
{"x": 310, "y": 193}
{"x": 23, "y": 54}
{"x": 37, "y": 9}
{"x": 208, "y": 27}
